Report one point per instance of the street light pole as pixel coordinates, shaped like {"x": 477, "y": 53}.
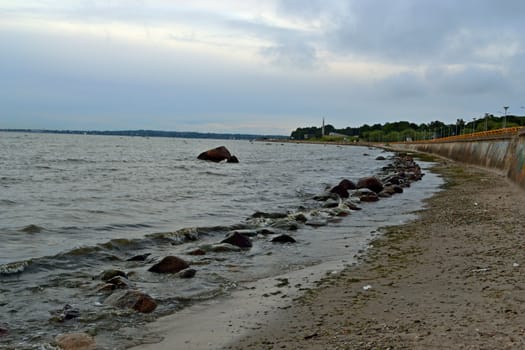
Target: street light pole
{"x": 505, "y": 117}
{"x": 473, "y": 125}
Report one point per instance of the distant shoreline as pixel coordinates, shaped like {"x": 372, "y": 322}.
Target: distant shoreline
{"x": 335, "y": 143}
{"x": 154, "y": 133}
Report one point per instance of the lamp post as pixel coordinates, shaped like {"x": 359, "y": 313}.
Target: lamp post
{"x": 473, "y": 125}
{"x": 486, "y": 121}
{"x": 505, "y": 116}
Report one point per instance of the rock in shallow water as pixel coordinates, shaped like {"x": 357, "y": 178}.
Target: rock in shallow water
{"x": 283, "y": 239}
{"x": 263, "y": 215}
{"x": 76, "y": 341}
{"x": 119, "y": 282}
{"x": 170, "y": 264}
{"x": 132, "y": 299}
{"x": 141, "y": 257}
{"x": 187, "y": 273}
{"x": 238, "y": 240}
{"x": 197, "y": 251}
{"x": 109, "y": 274}
{"x": 32, "y": 229}
{"x": 218, "y": 155}
{"x": 371, "y": 182}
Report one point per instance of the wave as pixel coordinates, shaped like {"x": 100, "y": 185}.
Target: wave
{"x": 14, "y": 267}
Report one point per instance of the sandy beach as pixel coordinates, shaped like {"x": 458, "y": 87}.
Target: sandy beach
{"x": 452, "y": 279}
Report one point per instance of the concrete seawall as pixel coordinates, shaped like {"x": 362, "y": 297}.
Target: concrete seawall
{"x": 505, "y": 153}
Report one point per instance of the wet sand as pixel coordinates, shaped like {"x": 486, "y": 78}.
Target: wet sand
{"x": 452, "y": 279}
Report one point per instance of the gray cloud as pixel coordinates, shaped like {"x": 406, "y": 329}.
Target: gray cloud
{"x": 411, "y": 31}
{"x": 293, "y": 55}
{"x": 455, "y": 59}
{"x": 468, "y": 81}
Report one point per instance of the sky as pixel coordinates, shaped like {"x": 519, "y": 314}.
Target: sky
{"x": 264, "y": 67}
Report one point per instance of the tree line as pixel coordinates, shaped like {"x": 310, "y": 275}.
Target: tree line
{"x": 404, "y": 130}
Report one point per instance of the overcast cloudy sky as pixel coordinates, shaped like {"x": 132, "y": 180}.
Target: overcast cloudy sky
{"x": 257, "y": 66}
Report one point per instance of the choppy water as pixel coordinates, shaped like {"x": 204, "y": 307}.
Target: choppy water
{"x": 72, "y": 206}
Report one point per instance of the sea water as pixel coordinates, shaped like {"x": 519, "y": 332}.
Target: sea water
{"x": 72, "y": 206}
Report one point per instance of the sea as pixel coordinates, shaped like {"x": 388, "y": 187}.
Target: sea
{"x": 74, "y": 206}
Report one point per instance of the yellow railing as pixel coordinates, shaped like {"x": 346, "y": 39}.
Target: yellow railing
{"x": 476, "y": 135}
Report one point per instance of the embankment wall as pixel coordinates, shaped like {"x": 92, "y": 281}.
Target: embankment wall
{"x": 506, "y": 154}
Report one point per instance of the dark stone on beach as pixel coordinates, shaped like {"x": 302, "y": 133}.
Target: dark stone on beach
{"x": 32, "y": 229}
{"x": 372, "y": 183}
{"x": 187, "y": 273}
{"x": 380, "y": 158}
{"x": 283, "y": 239}
{"x": 75, "y": 341}
{"x": 169, "y": 264}
{"x": 141, "y": 257}
{"x": 109, "y": 274}
{"x": 218, "y": 155}
{"x": 384, "y": 194}
{"x": 197, "y": 251}
{"x": 132, "y": 299}
{"x": 238, "y": 240}
{"x": 263, "y": 215}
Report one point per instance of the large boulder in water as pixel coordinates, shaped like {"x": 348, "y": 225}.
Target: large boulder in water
{"x": 132, "y": 299}
{"x": 372, "y": 183}
{"x": 218, "y": 155}
{"x": 170, "y": 264}
{"x": 75, "y": 341}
